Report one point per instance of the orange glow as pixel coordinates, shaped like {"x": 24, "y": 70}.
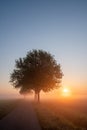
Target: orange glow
{"x": 66, "y": 92}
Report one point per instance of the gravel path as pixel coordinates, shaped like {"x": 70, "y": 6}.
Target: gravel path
{"x": 22, "y": 118}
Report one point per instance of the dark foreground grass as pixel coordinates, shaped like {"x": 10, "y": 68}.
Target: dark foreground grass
{"x": 56, "y": 115}
{"x": 6, "y": 106}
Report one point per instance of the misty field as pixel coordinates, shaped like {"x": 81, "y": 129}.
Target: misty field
{"x": 62, "y": 114}
{"x": 66, "y": 114}
{"x": 6, "y": 106}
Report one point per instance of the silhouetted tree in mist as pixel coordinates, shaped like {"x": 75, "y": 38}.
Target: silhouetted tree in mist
{"x": 37, "y": 71}
{"x": 23, "y": 91}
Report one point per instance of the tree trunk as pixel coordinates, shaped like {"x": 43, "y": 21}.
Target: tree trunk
{"x": 38, "y": 96}
{"x": 35, "y": 97}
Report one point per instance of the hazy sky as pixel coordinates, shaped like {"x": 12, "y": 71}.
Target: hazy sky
{"x": 57, "y": 26}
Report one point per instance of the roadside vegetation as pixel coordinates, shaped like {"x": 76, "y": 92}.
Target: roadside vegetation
{"x": 58, "y": 115}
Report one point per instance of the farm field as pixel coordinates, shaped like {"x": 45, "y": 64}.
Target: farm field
{"x": 60, "y": 114}
{"x": 65, "y": 114}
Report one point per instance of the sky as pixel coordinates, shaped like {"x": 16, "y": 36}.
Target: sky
{"x": 56, "y": 26}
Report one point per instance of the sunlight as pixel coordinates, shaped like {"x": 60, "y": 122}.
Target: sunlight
{"x": 66, "y": 92}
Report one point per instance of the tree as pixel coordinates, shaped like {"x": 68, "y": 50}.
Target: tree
{"x": 37, "y": 71}
{"x": 24, "y": 91}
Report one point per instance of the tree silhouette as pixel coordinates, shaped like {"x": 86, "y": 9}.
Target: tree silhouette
{"x": 24, "y": 91}
{"x": 37, "y": 71}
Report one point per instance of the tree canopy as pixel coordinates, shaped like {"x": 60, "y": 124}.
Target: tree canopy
{"x": 37, "y": 71}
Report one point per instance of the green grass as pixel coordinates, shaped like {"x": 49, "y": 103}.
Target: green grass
{"x": 60, "y": 116}
{"x": 6, "y": 106}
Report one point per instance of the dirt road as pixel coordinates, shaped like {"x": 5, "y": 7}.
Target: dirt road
{"x": 21, "y": 118}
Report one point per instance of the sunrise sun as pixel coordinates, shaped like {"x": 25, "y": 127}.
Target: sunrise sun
{"x": 66, "y": 92}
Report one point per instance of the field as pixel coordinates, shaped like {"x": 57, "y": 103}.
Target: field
{"x": 60, "y": 114}
{"x": 7, "y": 106}
{"x": 65, "y": 114}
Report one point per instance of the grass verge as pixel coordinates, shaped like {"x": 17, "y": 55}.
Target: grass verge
{"x": 54, "y": 117}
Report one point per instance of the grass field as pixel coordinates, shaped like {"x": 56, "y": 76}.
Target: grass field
{"x": 7, "y": 106}
{"x": 62, "y": 115}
